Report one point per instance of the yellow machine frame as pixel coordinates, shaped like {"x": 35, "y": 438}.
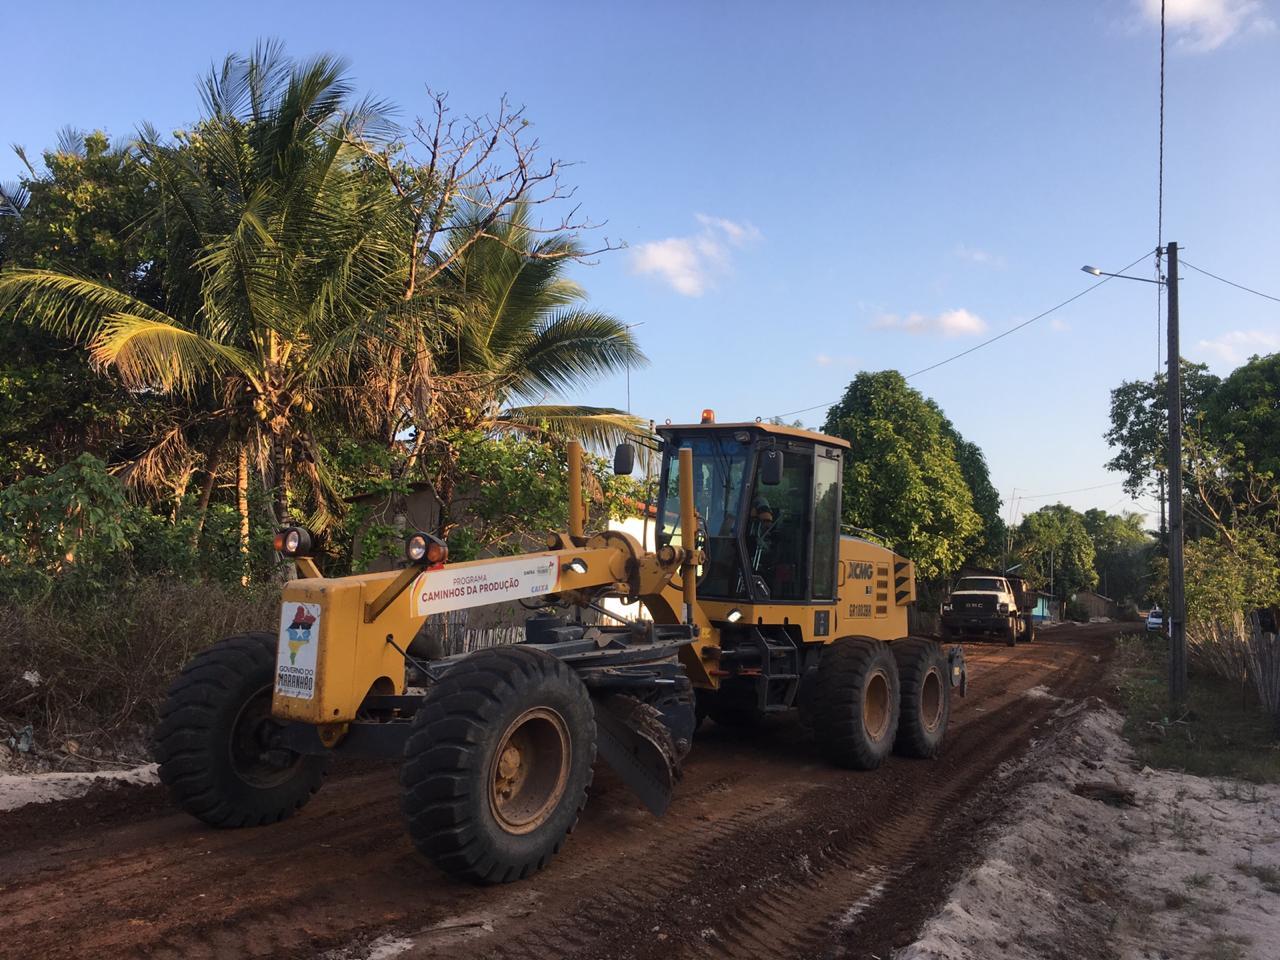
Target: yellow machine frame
{"x": 365, "y": 622}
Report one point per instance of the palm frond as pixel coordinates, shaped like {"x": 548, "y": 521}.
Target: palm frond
{"x": 599, "y": 428}
{"x": 14, "y": 198}
{"x": 69, "y": 306}
{"x": 571, "y": 348}
{"x": 148, "y": 353}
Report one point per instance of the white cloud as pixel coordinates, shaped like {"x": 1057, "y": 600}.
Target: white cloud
{"x": 949, "y": 323}
{"x": 690, "y": 264}
{"x": 1237, "y": 346}
{"x": 983, "y": 257}
{"x": 1203, "y": 25}
{"x": 1058, "y": 325}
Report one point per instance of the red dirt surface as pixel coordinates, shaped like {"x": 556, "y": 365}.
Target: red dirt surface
{"x": 766, "y": 851}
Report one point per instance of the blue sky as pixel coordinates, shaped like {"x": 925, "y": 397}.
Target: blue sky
{"x": 810, "y": 190}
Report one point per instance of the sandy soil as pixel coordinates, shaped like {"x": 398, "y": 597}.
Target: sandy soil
{"x": 767, "y": 851}
{"x": 1164, "y": 866}
{"x": 17, "y": 790}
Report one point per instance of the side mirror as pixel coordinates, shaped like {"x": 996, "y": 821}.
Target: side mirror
{"x": 624, "y": 460}
{"x": 770, "y": 467}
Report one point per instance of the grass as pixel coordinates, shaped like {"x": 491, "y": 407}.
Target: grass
{"x": 1224, "y": 734}
{"x": 91, "y": 672}
{"x": 1265, "y": 874}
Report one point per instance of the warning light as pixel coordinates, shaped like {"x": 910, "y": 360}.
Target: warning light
{"x": 708, "y": 416}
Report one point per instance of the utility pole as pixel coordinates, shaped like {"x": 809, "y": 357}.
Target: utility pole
{"x": 1177, "y": 595}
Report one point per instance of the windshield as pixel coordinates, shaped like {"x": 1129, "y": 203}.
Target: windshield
{"x": 719, "y": 477}
{"x": 982, "y": 583}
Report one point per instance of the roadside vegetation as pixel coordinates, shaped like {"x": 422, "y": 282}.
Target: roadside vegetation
{"x": 1224, "y": 733}
{"x": 1232, "y": 502}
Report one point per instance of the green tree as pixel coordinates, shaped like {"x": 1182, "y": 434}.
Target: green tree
{"x": 1243, "y": 413}
{"x": 987, "y": 546}
{"x": 515, "y": 489}
{"x": 1056, "y": 551}
{"x": 1122, "y": 554}
{"x": 902, "y": 478}
{"x": 1140, "y": 423}
{"x": 84, "y": 211}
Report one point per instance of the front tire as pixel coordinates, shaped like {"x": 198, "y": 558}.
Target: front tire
{"x": 925, "y": 683}
{"x": 856, "y": 703}
{"x": 497, "y": 768}
{"x": 213, "y": 740}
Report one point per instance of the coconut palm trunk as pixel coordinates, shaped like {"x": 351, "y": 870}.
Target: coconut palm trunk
{"x": 242, "y": 507}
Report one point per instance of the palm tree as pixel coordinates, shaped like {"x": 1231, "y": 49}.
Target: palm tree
{"x": 518, "y": 331}
{"x": 280, "y": 245}
{"x": 512, "y": 336}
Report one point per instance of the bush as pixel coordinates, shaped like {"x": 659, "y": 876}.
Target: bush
{"x": 100, "y": 665}
{"x": 75, "y": 532}
{"x": 1077, "y": 611}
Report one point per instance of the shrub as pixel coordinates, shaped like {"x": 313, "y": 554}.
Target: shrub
{"x": 101, "y": 663}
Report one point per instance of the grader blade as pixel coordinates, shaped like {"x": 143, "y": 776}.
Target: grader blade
{"x": 632, "y": 738}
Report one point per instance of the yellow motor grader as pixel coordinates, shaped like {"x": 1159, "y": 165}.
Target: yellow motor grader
{"x": 755, "y": 603}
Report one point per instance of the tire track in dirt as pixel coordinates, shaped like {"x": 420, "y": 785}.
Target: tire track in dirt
{"x": 781, "y": 888}
{"x": 766, "y": 850}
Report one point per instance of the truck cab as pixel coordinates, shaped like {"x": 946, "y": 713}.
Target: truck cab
{"x": 992, "y": 607}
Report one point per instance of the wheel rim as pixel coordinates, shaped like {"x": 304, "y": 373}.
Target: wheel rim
{"x": 931, "y": 700}
{"x": 254, "y": 758}
{"x": 530, "y": 770}
{"x": 877, "y": 708}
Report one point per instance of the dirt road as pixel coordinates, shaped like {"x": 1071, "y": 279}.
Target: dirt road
{"x": 766, "y": 852}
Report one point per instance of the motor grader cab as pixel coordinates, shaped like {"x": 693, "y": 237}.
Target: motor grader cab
{"x": 756, "y": 604}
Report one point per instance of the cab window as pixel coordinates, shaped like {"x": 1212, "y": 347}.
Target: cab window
{"x": 778, "y": 532}
{"x": 719, "y": 476}
{"x": 826, "y": 526}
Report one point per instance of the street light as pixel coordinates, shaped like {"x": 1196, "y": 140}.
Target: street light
{"x": 1177, "y": 582}
{"x": 1123, "y": 276}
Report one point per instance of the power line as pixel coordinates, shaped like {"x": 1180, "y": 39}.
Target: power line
{"x": 1160, "y": 194}
{"x": 1238, "y": 286}
{"x": 1062, "y": 493}
{"x": 988, "y": 342}
{"x": 1160, "y": 169}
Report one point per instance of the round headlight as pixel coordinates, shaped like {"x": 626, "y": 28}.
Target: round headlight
{"x": 424, "y": 548}
{"x": 292, "y": 542}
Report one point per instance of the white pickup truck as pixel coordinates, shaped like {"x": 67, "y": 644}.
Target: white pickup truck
{"x": 989, "y": 607}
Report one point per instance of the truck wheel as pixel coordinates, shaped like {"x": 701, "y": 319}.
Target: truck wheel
{"x": 497, "y": 767}
{"x": 856, "y": 702}
{"x": 213, "y": 742}
{"x": 1012, "y": 638}
{"x": 926, "y": 697}
{"x": 1029, "y": 634}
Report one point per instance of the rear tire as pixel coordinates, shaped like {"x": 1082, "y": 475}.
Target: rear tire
{"x": 926, "y": 697}
{"x": 856, "y": 703}
{"x": 211, "y": 739}
{"x": 1029, "y": 634}
{"x": 1012, "y": 639}
{"x": 497, "y": 768}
